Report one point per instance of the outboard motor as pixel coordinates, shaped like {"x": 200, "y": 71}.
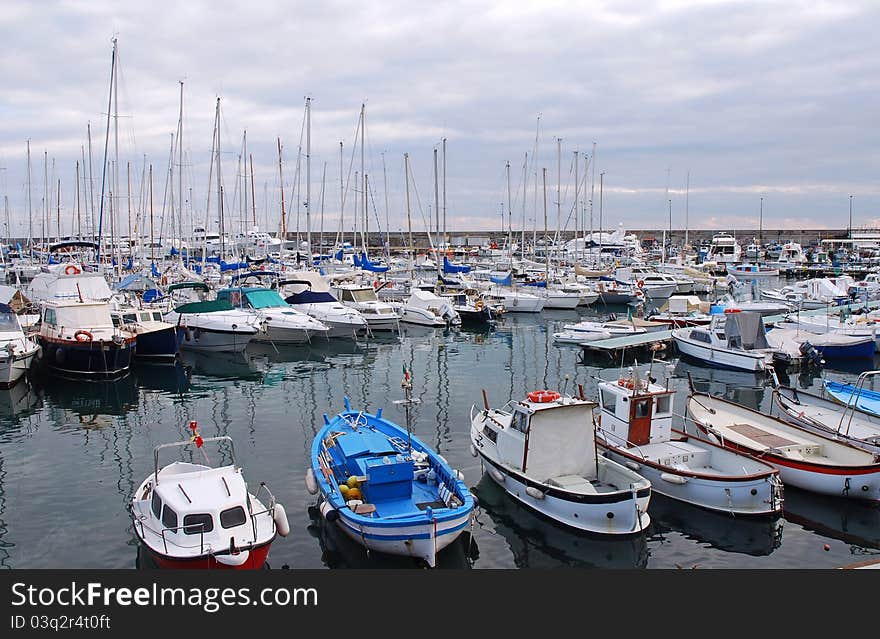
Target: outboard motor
{"x": 810, "y": 354}
{"x": 781, "y": 360}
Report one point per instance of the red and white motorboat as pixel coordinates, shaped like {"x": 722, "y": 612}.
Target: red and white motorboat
{"x": 191, "y": 515}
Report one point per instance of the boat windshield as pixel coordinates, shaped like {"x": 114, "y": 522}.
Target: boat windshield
{"x": 265, "y": 299}
{"x": 364, "y": 295}
{"x": 9, "y": 322}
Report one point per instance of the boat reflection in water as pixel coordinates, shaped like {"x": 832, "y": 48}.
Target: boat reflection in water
{"x": 756, "y": 536}
{"x": 243, "y": 365}
{"x": 19, "y": 401}
{"x": 171, "y": 378}
{"x": 851, "y": 521}
{"x": 538, "y": 542}
{"x": 340, "y": 551}
{"x": 742, "y": 387}
{"x": 88, "y": 398}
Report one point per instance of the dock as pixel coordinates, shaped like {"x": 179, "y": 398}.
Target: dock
{"x": 650, "y": 338}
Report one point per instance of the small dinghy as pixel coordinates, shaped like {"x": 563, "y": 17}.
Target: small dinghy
{"x": 828, "y": 418}
{"x": 192, "y": 515}
{"x": 805, "y": 459}
{"x": 855, "y": 395}
{"x": 542, "y": 451}
{"x": 635, "y": 429}
{"x": 384, "y": 487}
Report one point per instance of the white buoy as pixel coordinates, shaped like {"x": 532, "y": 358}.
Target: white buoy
{"x": 497, "y": 475}
{"x": 473, "y": 450}
{"x": 328, "y": 512}
{"x": 459, "y": 474}
{"x": 673, "y": 479}
{"x": 311, "y": 483}
{"x": 531, "y": 491}
{"x": 633, "y": 465}
{"x": 281, "y": 523}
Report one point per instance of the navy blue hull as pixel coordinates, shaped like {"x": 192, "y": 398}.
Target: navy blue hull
{"x": 98, "y": 359}
{"x": 161, "y": 344}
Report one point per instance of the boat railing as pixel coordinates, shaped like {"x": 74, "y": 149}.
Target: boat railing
{"x": 188, "y": 442}
{"x": 625, "y": 441}
{"x": 166, "y": 541}
{"x": 853, "y": 401}
{"x": 269, "y": 510}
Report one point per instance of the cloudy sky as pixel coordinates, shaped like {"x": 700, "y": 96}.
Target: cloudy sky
{"x": 751, "y": 100}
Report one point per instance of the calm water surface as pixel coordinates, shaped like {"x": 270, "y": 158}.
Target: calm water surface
{"x": 72, "y": 453}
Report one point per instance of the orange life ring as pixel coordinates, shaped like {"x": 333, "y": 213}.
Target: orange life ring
{"x": 479, "y": 305}
{"x": 543, "y": 396}
{"x": 71, "y": 269}
{"x": 83, "y": 336}
{"x": 641, "y": 283}
{"x": 626, "y": 383}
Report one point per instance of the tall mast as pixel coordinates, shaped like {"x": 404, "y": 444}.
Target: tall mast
{"x": 253, "y": 194}
{"x": 283, "y": 214}
{"x": 364, "y": 177}
{"x": 321, "y": 232}
{"x": 601, "y": 183}
{"x": 115, "y": 205}
{"x": 387, "y": 215}
{"x": 219, "y": 185}
{"x": 558, "y": 188}
{"x": 663, "y": 251}
{"x": 78, "y": 213}
{"x": 128, "y": 178}
{"x": 309, "y": 177}
{"x": 437, "y": 196}
{"x": 91, "y": 184}
{"x": 58, "y": 213}
{"x": 687, "y": 191}
{"x": 522, "y": 243}
{"x": 30, "y": 208}
{"x": 576, "y": 209}
{"x": 509, "y": 220}
{"x": 152, "y": 231}
{"x": 341, "y": 197}
{"x": 408, "y": 218}
{"x": 180, "y": 172}
{"x": 546, "y": 248}
{"x": 535, "y": 160}
{"x": 106, "y": 143}
{"x": 44, "y": 227}
{"x": 445, "y": 239}
{"x": 592, "y": 195}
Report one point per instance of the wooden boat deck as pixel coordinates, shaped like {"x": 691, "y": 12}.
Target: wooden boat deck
{"x": 768, "y": 439}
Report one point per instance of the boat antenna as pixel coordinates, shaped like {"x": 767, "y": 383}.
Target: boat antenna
{"x": 407, "y": 402}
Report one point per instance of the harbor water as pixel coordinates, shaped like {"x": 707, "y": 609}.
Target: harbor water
{"x": 72, "y": 452}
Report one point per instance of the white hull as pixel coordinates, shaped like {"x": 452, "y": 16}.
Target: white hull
{"x": 14, "y": 368}
{"x": 754, "y": 362}
{"x": 563, "y": 301}
{"x": 420, "y": 541}
{"x": 660, "y": 292}
{"x": 587, "y": 517}
{"x": 731, "y": 497}
{"x": 420, "y": 317}
{"x": 289, "y": 335}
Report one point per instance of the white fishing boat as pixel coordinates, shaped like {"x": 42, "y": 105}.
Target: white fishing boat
{"x": 542, "y": 451}
{"x": 731, "y": 340}
{"x": 805, "y": 459}
{"x": 579, "y": 337}
{"x": 195, "y": 515}
{"x": 752, "y": 271}
{"x": 17, "y": 350}
{"x": 635, "y": 429}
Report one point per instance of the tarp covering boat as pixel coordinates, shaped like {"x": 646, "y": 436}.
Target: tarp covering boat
{"x": 745, "y": 330}
{"x": 448, "y": 267}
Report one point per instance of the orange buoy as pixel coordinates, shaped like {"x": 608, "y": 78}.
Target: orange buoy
{"x": 543, "y": 396}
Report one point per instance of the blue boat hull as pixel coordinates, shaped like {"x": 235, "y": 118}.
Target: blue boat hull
{"x": 161, "y": 344}
{"x": 865, "y": 400}
{"x": 855, "y": 351}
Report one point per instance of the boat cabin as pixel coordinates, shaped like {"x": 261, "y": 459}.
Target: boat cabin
{"x": 252, "y": 297}
{"x": 81, "y": 321}
{"x": 549, "y": 439}
{"x": 636, "y": 411}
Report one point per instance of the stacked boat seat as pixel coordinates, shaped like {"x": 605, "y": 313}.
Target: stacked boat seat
{"x": 776, "y": 443}
{"x": 389, "y": 478}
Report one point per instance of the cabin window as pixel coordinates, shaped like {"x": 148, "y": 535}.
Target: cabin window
{"x": 642, "y": 409}
{"x": 157, "y": 317}
{"x": 664, "y": 404}
{"x": 197, "y": 524}
{"x": 116, "y": 321}
{"x": 145, "y": 317}
{"x": 520, "y": 422}
{"x": 232, "y": 517}
{"x": 169, "y": 518}
{"x": 609, "y": 400}
{"x": 491, "y": 434}
{"x": 130, "y": 318}
{"x": 701, "y": 336}
{"x": 49, "y": 316}
{"x": 156, "y": 505}
{"x": 346, "y": 296}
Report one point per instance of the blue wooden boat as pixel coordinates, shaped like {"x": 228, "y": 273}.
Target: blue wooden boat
{"x": 385, "y": 488}
{"x": 854, "y": 395}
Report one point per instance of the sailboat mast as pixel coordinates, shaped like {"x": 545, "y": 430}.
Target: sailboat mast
{"x": 592, "y": 195}
{"x": 601, "y": 185}
{"x": 522, "y": 242}
{"x": 106, "y": 143}
{"x": 115, "y": 205}
{"x": 558, "y": 189}
{"x": 387, "y": 216}
{"x": 219, "y": 185}
{"x": 78, "y": 213}
{"x": 309, "y": 177}
{"x": 128, "y": 179}
{"x": 509, "y": 219}
{"x": 437, "y": 195}
{"x": 445, "y": 238}
{"x": 546, "y": 248}
{"x": 180, "y": 172}
{"x": 283, "y": 214}
{"x": 577, "y": 215}
{"x": 364, "y": 178}
{"x": 341, "y": 197}
{"x": 321, "y": 232}
{"x": 687, "y": 192}
{"x": 408, "y": 216}
{"x": 253, "y": 193}
{"x": 30, "y": 208}
{"x": 152, "y": 230}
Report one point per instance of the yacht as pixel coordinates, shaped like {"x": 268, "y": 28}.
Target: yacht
{"x": 309, "y": 292}
{"x": 380, "y": 316}
{"x": 282, "y": 324}
{"x": 17, "y": 350}
{"x": 724, "y": 250}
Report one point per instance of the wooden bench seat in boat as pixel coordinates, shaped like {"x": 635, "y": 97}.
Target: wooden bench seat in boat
{"x": 685, "y": 456}
{"x": 766, "y": 440}
{"x": 573, "y": 483}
